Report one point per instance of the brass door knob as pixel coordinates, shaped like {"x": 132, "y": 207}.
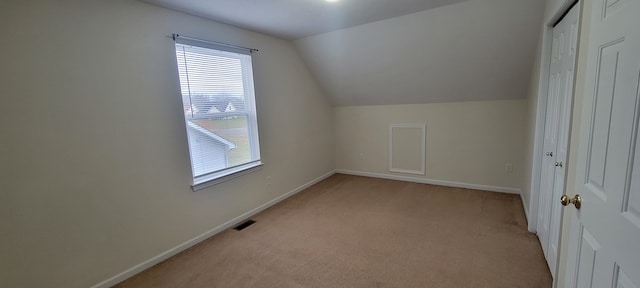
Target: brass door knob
{"x": 576, "y": 201}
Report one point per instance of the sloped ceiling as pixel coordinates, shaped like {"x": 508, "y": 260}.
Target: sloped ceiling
{"x": 293, "y": 19}
{"x": 472, "y": 50}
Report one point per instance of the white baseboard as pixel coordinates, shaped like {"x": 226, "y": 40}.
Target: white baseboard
{"x": 526, "y": 213}
{"x": 186, "y": 245}
{"x": 431, "y": 181}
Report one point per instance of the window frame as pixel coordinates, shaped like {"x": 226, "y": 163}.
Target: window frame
{"x": 223, "y": 50}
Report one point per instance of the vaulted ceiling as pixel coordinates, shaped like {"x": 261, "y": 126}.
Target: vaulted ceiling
{"x": 378, "y": 52}
{"x": 292, "y": 19}
{"x": 474, "y": 50}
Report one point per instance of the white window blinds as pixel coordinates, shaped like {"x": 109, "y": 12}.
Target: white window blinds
{"x": 219, "y": 108}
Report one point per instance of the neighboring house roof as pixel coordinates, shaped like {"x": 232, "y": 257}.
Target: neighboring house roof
{"x": 210, "y": 134}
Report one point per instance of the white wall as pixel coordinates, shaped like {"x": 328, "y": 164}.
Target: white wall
{"x": 469, "y": 51}
{"x": 531, "y": 122}
{"x": 467, "y": 142}
{"x": 95, "y": 163}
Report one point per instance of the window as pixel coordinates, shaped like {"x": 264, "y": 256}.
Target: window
{"x": 219, "y": 109}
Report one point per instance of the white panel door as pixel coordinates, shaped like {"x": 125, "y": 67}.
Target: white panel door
{"x": 556, "y": 136}
{"x": 605, "y": 247}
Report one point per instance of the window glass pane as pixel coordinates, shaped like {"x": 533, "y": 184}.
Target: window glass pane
{"x": 235, "y": 130}
{"x": 218, "y": 104}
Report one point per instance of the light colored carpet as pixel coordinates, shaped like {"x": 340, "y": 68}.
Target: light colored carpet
{"x": 350, "y": 231}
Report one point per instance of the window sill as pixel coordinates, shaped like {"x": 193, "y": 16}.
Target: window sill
{"x": 223, "y": 176}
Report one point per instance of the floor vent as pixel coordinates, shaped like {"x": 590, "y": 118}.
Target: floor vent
{"x": 245, "y": 224}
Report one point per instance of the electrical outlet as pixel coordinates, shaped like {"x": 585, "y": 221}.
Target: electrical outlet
{"x": 361, "y": 156}
{"x": 508, "y": 168}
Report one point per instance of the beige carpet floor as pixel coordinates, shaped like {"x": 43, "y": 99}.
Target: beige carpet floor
{"x": 350, "y": 231}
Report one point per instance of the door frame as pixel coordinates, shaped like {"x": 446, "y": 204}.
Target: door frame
{"x": 554, "y": 11}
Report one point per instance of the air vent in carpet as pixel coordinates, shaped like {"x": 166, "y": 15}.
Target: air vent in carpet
{"x": 244, "y": 225}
